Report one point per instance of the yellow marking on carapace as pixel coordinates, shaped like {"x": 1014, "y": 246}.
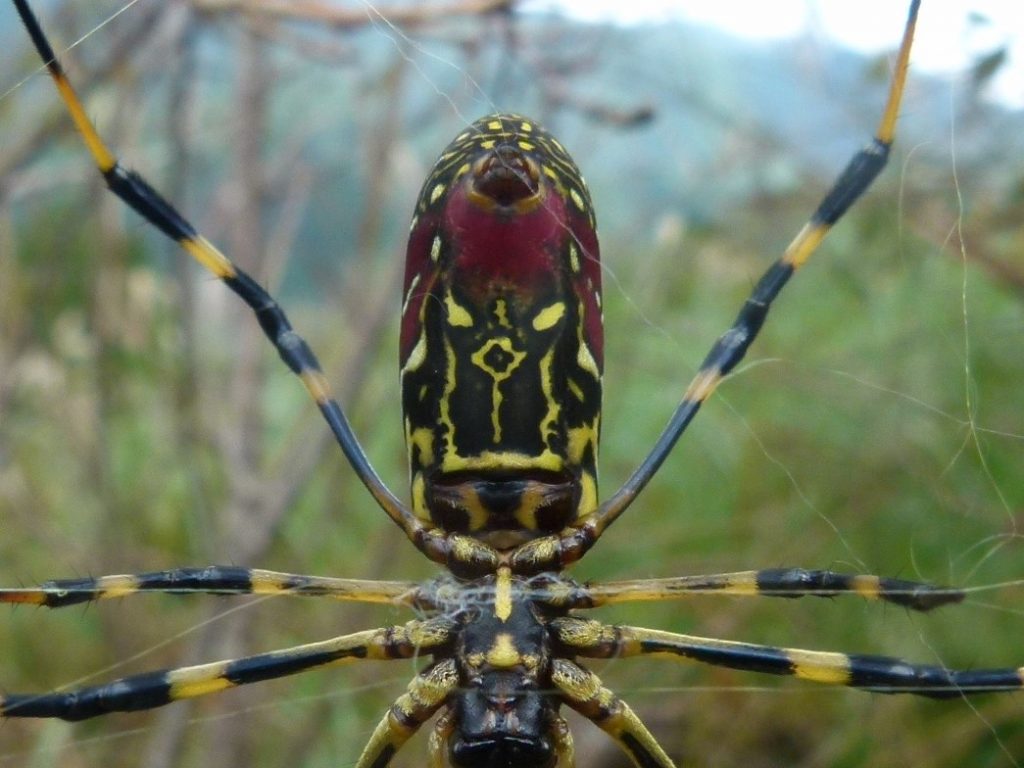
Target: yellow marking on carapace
{"x": 495, "y": 125}
{"x": 526, "y": 127}
{"x": 820, "y": 667}
{"x": 867, "y": 586}
{"x": 551, "y": 174}
{"x": 804, "y": 244}
{"x": 206, "y": 253}
{"x": 503, "y": 654}
{"x": 317, "y": 386}
{"x": 435, "y": 249}
{"x": 191, "y": 685}
{"x": 526, "y": 146}
{"x": 489, "y": 144}
{"x": 503, "y": 594}
{"x": 703, "y": 385}
{"x": 574, "y": 257}
{"x": 577, "y": 200}
{"x": 458, "y": 315}
{"x": 479, "y": 359}
{"x": 436, "y": 192}
{"x": 585, "y": 360}
{"x": 417, "y": 356}
{"x": 462, "y": 171}
{"x": 549, "y": 316}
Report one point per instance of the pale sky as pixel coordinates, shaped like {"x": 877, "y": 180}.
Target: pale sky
{"x": 947, "y": 39}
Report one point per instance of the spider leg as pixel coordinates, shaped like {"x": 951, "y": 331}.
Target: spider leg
{"x": 881, "y": 674}
{"x": 213, "y": 580}
{"x": 731, "y": 346}
{"x": 427, "y": 692}
{"x": 439, "y": 735}
{"x": 562, "y": 738}
{"x": 771, "y": 582}
{"x": 582, "y": 690}
{"x": 155, "y": 689}
{"x": 141, "y": 197}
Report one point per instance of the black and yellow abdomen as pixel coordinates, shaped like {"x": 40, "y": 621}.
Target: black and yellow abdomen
{"x": 501, "y": 342}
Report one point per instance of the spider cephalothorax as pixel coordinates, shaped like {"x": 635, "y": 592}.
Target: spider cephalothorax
{"x": 501, "y": 356}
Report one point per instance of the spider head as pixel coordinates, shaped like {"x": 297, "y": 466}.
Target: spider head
{"x": 502, "y": 723}
{"x": 503, "y": 711}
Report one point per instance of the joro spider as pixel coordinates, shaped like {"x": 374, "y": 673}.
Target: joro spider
{"x": 501, "y": 357}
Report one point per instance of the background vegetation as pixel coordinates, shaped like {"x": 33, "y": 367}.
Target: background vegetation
{"x": 144, "y": 423}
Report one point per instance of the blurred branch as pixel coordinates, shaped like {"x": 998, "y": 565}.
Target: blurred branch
{"x": 343, "y": 18}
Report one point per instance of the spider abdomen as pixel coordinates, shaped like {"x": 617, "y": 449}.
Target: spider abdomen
{"x": 501, "y": 344}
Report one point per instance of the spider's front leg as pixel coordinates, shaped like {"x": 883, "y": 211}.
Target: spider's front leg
{"x": 880, "y": 674}
{"x": 557, "y": 552}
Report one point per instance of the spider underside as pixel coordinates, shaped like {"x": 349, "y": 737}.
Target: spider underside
{"x": 501, "y": 305}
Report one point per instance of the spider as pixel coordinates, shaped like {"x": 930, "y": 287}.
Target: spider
{"x": 501, "y": 358}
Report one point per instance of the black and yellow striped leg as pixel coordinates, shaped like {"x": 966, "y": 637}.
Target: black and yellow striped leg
{"x": 155, "y": 689}
{"x": 561, "y": 737}
{"x": 582, "y": 690}
{"x": 880, "y": 674}
{"x": 213, "y": 580}
{"x": 438, "y": 742}
{"x": 425, "y": 695}
{"x": 771, "y": 582}
{"x": 731, "y": 346}
{"x": 139, "y": 195}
